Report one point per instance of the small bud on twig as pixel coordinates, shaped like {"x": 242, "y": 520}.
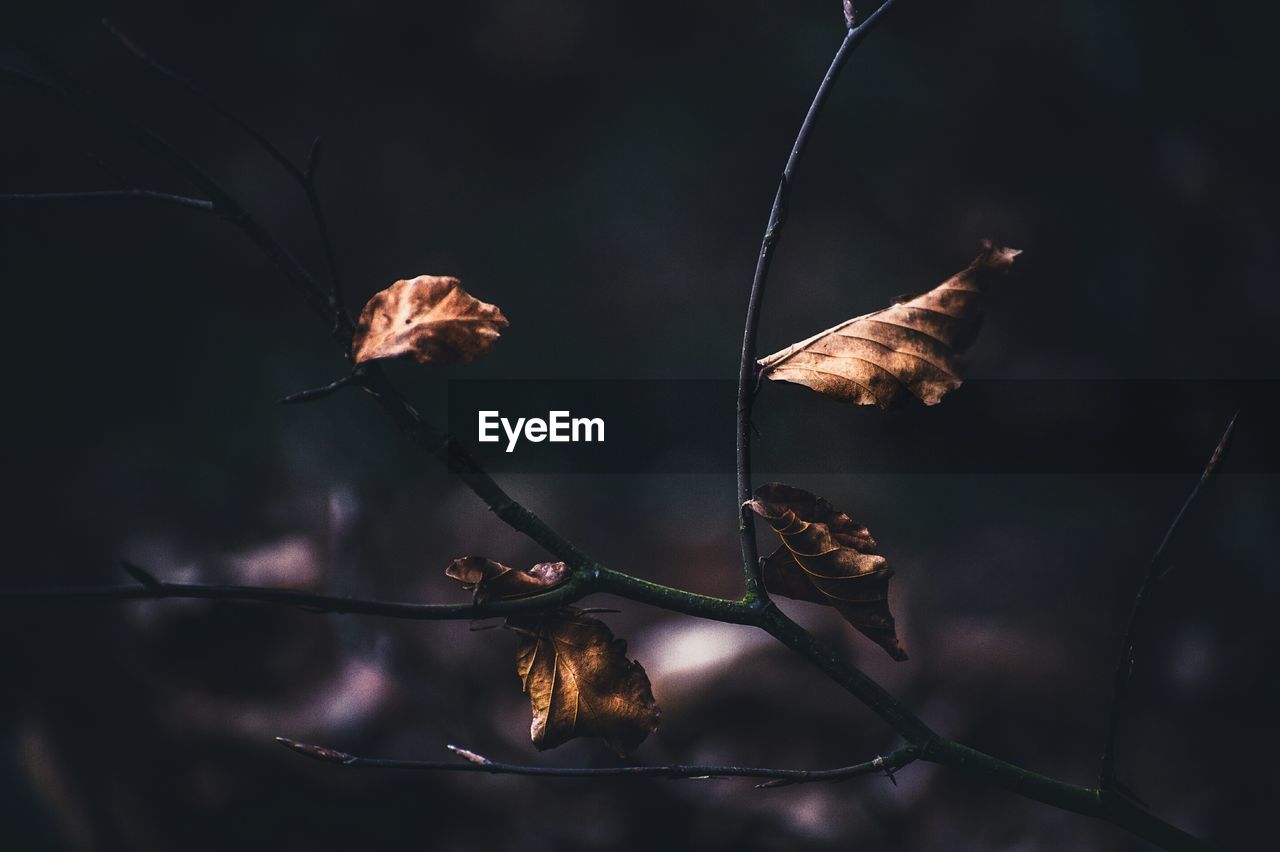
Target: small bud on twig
{"x": 316, "y": 752}
{"x": 467, "y": 754}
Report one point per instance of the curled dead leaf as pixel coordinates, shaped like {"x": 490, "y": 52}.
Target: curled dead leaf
{"x": 580, "y": 682}
{"x": 829, "y": 559}
{"x": 490, "y": 580}
{"x": 430, "y": 319}
{"x": 907, "y": 349}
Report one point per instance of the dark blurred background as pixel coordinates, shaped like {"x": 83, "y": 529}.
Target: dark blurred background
{"x": 602, "y": 170}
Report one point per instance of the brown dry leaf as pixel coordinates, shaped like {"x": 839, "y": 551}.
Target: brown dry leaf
{"x": 580, "y": 682}
{"x": 429, "y": 318}
{"x": 491, "y": 580}
{"x": 908, "y": 349}
{"x": 829, "y": 559}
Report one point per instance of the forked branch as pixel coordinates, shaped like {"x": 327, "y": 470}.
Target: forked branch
{"x": 306, "y": 176}
{"x": 588, "y": 576}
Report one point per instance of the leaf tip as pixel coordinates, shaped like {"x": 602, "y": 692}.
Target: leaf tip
{"x": 996, "y": 258}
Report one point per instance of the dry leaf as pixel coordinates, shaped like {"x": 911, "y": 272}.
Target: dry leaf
{"x": 580, "y": 682}
{"x": 491, "y": 580}
{"x": 429, "y": 318}
{"x": 829, "y": 559}
{"x": 907, "y": 349}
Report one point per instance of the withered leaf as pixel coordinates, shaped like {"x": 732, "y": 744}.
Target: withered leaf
{"x": 829, "y": 559}
{"x": 430, "y": 319}
{"x": 491, "y": 580}
{"x": 580, "y": 682}
{"x": 907, "y": 349}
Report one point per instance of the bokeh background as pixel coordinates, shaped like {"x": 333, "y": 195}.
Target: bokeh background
{"x": 602, "y": 170}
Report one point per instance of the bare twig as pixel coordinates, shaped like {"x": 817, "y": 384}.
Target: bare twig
{"x": 579, "y": 585}
{"x": 422, "y": 433}
{"x": 352, "y": 379}
{"x": 1156, "y": 571}
{"x": 111, "y": 195}
{"x": 747, "y": 370}
{"x": 151, "y": 588}
{"x": 472, "y": 762}
{"x": 304, "y": 176}
{"x": 61, "y": 86}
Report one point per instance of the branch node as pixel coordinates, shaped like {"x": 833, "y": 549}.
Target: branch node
{"x": 879, "y": 763}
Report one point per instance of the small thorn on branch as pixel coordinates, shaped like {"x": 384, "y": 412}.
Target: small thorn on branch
{"x": 776, "y": 782}
{"x": 467, "y": 754}
{"x": 316, "y": 752}
{"x": 850, "y": 14}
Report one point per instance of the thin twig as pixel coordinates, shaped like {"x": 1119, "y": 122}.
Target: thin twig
{"x": 304, "y": 176}
{"x": 352, "y": 379}
{"x": 579, "y": 585}
{"x": 420, "y": 432}
{"x": 1156, "y": 571}
{"x": 112, "y": 195}
{"x": 151, "y": 588}
{"x": 747, "y": 368}
{"x": 104, "y": 111}
{"x": 473, "y": 762}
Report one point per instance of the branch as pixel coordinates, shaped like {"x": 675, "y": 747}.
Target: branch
{"x": 473, "y": 762}
{"x": 112, "y": 195}
{"x": 896, "y": 714}
{"x": 63, "y": 87}
{"x": 376, "y": 383}
{"x": 588, "y": 575}
{"x": 579, "y": 585}
{"x": 304, "y": 177}
{"x": 1156, "y": 571}
{"x": 151, "y": 588}
{"x": 747, "y": 369}
{"x": 1113, "y": 810}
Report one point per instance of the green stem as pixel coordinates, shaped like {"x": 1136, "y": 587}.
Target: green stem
{"x": 1108, "y": 807}
{"x": 853, "y": 679}
{"x": 674, "y": 600}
